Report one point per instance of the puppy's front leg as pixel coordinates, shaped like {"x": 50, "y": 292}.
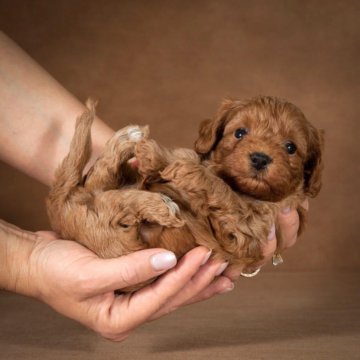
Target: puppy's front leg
{"x": 206, "y": 194}
{"x": 203, "y": 190}
{"x": 153, "y": 158}
{"x": 237, "y": 232}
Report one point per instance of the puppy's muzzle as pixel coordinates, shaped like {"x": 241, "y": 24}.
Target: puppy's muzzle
{"x": 259, "y": 161}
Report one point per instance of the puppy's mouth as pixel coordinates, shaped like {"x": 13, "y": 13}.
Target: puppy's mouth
{"x": 257, "y": 186}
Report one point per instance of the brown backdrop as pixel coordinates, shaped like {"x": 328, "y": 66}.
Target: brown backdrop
{"x": 169, "y": 63}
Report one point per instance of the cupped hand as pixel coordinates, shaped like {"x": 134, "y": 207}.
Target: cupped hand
{"x": 78, "y": 284}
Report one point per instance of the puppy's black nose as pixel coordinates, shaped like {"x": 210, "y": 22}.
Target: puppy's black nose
{"x": 260, "y": 161}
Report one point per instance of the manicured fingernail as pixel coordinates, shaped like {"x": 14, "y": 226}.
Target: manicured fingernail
{"x": 163, "y": 261}
{"x": 227, "y": 289}
{"x": 206, "y": 257}
{"x": 272, "y": 233}
{"x": 286, "y": 210}
{"x": 277, "y": 259}
{"x": 221, "y": 268}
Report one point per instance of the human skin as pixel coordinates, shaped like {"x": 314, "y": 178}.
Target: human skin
{"x": 36, "y": 127}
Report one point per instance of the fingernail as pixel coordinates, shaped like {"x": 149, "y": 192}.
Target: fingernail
{"x": 227, "y": 289}
{"x": 221, "y": 268}
{"x": 206, "y": 257}
{"x": 277, "y": 259}
{"x": 163, "y": 261}
{"x": 286, "y": 210}
{"x": 271, "y": 235}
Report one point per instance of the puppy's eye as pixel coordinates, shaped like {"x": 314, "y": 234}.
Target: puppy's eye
{"x": 290, "y": 148}
{"x": 240, "y": 133}
{"x": 124, "y": 226}
{"x": 232, "y": 237}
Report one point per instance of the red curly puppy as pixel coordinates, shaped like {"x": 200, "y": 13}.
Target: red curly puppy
{"x": 252, "y": 159}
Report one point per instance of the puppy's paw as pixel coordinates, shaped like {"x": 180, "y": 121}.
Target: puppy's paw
{"x": 124, "y": 140}
{"x": 162, "y": 210}
{"x": 135, "y": 134}
{"x": 173, "y": 206}
{"x": 132, "y": 133}
{"x": 173, "y": 211}
{"x": 225, "y": 226}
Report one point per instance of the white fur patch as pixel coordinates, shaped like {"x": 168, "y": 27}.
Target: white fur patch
{"x": 135, "y": 134}
{"x": 172, "y": 205}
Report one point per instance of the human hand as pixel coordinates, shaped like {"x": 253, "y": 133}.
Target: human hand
{"x": 288, "y": 220}
{"x": 78, "y": 284}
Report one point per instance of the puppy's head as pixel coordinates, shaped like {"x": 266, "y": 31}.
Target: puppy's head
{"x": 263, "y": 147}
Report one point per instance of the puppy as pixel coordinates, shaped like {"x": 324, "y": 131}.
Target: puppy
{"x": 265, "y": 151}
{"x": 252, "y": 159}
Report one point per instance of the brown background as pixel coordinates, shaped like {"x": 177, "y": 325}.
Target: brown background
{"x": 168, "y": 64}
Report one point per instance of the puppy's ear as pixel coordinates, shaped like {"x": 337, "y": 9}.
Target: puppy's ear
{"x": 211, "y": 130}
{"x": 314, "y": 163}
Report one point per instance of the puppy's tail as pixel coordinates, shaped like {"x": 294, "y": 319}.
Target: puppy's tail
{"x": 70, "y": 172}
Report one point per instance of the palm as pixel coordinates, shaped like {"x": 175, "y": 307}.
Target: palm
{"x": 70, "y": 269}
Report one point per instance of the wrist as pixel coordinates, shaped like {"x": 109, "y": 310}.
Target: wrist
{"x": 16, "y": 249}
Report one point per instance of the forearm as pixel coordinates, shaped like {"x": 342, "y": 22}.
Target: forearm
{"x": 37, "y": 116}
{"x": 16, "y": 247}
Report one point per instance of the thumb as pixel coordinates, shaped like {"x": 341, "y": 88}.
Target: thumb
{"x": 132, "y": 269}
{"x": 288, "y": 220}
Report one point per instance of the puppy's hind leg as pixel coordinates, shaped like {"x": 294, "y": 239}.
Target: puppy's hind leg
{"x": 107, "y": 173}
{"x": 69, "y": 174}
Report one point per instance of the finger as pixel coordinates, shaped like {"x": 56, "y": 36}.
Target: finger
{"x": 200, "y": 281}
{"x": 141, "y": 305}
{"x": 220, "y": 285}
{"x": 129, "y": 270}
{"x": 305, "y": 204}
{"x": 233, "y": 272}
{"x": 268, "y": 249}
{"x": 288, "y": 220}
